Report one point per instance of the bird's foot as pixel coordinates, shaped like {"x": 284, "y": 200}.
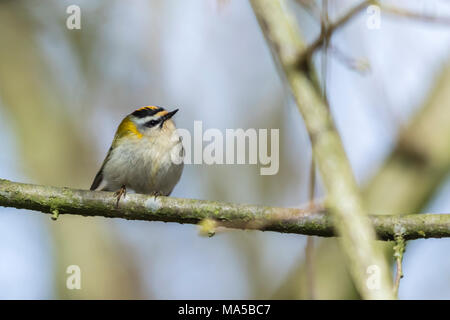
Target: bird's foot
{"x": 156, "y": 194}
{"x": 119, "y": 193}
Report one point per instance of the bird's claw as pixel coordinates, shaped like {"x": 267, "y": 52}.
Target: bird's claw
{"x": 119, "y": 193}
{"x": 156, "y": 194}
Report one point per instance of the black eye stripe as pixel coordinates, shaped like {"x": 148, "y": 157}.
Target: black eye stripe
{"x": 146, "y": 112}
{"x": 152, "y": 123}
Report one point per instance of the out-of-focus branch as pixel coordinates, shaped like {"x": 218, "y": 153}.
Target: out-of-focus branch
{"x": 53, "y": 148}
{"x": 410, "y": 176}
{"x": 327, "y": 32}
{"x": 142, "y": 207}
{"x": 311, "y": 7}
{"x": 417, "y": 166}
{"x": 344, "y": 200}
{"x": 420, "y": 161}
{"x": 404, "y": 13}
{"x": 391, "y": 10}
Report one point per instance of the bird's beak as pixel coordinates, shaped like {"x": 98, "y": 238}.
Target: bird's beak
{"x": 169, "y": 115}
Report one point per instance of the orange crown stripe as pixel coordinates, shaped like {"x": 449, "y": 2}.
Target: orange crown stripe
{"x": 161, "y": 113}
{"x": 147, "y": 107}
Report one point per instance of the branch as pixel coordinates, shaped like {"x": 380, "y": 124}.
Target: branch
{"x": 404, "y": 13}
{"x": 420, "y": 161}
{"x": 399, "y": 250}
{"x": 405, "y": 183}
{"x": 142, "y": 207}
{"x": 344, "y": 200}
{"x": 399, "y": 12}
{"x": 329, "y": 30}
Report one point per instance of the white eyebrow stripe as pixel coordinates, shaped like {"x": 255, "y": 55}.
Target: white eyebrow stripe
{"x": 142, "y": 121}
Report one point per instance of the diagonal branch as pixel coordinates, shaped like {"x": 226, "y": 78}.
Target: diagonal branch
{"x": 327, "y": 33}
{"x": 344, "y": 199}
{"x": 142, "y": 207}
{"x": 405, "y": 13}
{"x": 391, "y": 10}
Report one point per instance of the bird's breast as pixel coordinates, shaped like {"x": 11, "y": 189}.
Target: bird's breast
{"x": 157, "y": 165}
{"x": 146, "y": 165}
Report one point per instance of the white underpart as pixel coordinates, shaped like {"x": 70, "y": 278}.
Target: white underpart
{"x": 144, "y": 165}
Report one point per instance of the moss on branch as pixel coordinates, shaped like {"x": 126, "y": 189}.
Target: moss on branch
{"x": 142, "y": 207}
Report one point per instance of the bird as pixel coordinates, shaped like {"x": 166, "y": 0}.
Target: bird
{"x": 144, "y": 156}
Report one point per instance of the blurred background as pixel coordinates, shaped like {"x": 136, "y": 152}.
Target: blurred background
{"x": 63, "y": 93}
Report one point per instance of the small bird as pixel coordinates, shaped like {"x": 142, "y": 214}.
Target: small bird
{"x": 142, "y": 155}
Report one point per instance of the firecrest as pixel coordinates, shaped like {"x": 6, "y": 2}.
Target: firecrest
{"x": 144, "y": 156}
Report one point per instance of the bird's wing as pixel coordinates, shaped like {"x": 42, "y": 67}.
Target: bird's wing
{"x": 98, "y": 179}
{"x": 99, "y": 176}
{"x": 125, "y": 128}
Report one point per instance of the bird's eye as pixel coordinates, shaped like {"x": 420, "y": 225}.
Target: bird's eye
{"x": 151, "y": 123}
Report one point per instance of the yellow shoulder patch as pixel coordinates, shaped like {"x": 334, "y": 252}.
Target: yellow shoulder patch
{"x": 127, "y": 128}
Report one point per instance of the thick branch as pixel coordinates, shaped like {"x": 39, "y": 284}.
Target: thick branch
{"x": 141, "y": 207}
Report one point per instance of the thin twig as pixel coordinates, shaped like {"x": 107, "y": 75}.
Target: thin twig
{"x": 326, "y": 43}
{"x": 309, "y": 248}
{"x": 309, "y": 261}
{"x": 329, "y": 31}
{"x": 311, "y": 8}
{"x": 360, "y": 65}
{"x": 401, "y": 12}
{"x": 399, "y": 249}
{"x": 398, "y": 275}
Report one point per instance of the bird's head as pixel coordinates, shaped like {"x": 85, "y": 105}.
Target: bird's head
{"x": 148, "y": 121}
